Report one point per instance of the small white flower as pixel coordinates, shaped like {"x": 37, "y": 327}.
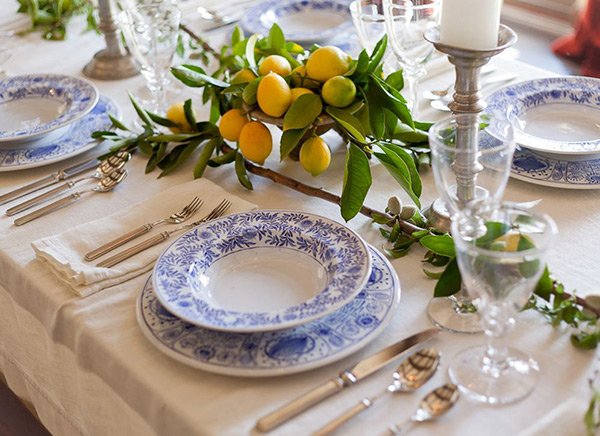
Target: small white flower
{"x": 394, "y": 206}
{"x": 408, "y": 211}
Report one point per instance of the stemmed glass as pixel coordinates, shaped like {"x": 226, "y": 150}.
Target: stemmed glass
{"x": 150, "y": 28}
{"x": 500, "y": 264}
{"x": 406, "y": 22}
{"x": 467, "y": 175}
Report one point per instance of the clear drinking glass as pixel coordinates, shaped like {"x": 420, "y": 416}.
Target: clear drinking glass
{"x": 150, "y": 28}
{"x": 406, "y": 22}
{"x": 500, "y": 265}
{"x": 466, "y": 175}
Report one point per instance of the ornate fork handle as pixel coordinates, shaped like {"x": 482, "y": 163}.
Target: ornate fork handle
{"x": 39, "y": 199}
{"x": 142, "y": 246}
{"x": 116, "y": 243}
{"x": 47, "y": 209}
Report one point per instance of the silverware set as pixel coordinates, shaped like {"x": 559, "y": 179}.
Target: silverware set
{"x": 217, "y": 18}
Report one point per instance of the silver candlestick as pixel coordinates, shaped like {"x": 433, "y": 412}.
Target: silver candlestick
{"x": 113, "y": 62}
{"x": 466, "y": 100}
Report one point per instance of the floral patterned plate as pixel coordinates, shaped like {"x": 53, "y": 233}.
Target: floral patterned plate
{"x": 280, "y": 352}
{"x": 559, "y": 115}
{"x": 261, "y": 271}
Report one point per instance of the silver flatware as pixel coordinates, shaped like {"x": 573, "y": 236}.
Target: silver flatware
{"x": 155, "y": 240}
{"x": 435, "y": 94}
{"x": 107, "y": 183}
{"x": 346, "y": 378}
{"x": 433, "y": 405}
{"x": 176, "y": 218}
{"x": 411, "y": 374}
{"x": 49, "y": 180}
{"x": 106, "y": 167}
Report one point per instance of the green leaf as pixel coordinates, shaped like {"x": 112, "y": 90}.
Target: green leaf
{"x": 545, "y": 285}
{"x": 240, "y": 171}
{"x": 303, "y": 112}
{"x": 399, "y": 171}
{"x": 376, "y": 114}
{"x": 348, "y": 122}
{"x": 189, "y": 113}
{"x": 391, "y": 99}
{"x": 407, "y": 134}
{"x": 250, "y": 53}
{"x": 177, "y": 156}
{"x": 449, "y": 282}
{"x": 249, "y": 94}
{"x": 415, "y": 179}
{"x": 357, "y": 181}
{"x": 493, "y": 231}
{"x": 205, "y": 154}
{"x": 362, "y": 64}
{"x": 377, "y": 55}
{"x": 289, "y": 141}
{"x": 196, "y": 77}
{"x": 439, "y": 244}
{"x": 223, "y": 159}
{"x": 117, "y": 124}
{"x": 237, "y": 35}
{"x": 276, "y": 37}
{"x": 396, "y": 80}
{"x": 436, "y": 275}
{"x": 161, "y": 120}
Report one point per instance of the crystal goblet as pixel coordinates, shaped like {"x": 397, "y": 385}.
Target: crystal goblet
{"x": 500, "y": 264}
{"x": 150, "y": 28}
{"x": 406, "y": 21}
{"x": 471, "y": 156}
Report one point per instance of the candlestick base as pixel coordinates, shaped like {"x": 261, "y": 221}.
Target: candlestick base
{"x": 438, "y": 216}
{"x": 105, "y": 66}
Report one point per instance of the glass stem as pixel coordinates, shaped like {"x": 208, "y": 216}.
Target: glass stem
{"x": 496, "y": 323}
{"x": 462, "y": 303}
{"x": 411, "y": 95}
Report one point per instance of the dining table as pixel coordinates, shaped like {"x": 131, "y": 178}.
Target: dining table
{"x": 86, "y": 368}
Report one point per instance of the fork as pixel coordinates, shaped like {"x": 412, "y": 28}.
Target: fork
{"x": 176, "y": 218}
{"x": 155, "y": 240}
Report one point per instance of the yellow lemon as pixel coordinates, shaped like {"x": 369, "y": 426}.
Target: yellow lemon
{"x": 315, "y": 156}
{"x": 297, "y": 92}
{"x": 255, "y": 142}
{"x": 326, "y": 62}
{"x": 276, "y": 64}
{"x": 339, "y": 91}
{"x": 243, "y": 76}
{"x": 176, "y": 114}
{"x": 273, "y": 95}
{"x": 300, "y": 79}
{"x": 231, "y": 124}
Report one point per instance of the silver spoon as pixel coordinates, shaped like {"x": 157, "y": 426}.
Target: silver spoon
{"x": 105, "y": 184}
{"x": 411, "y": 374}
{"x": 112, "y": 163}
{"x": 433, "y": 405}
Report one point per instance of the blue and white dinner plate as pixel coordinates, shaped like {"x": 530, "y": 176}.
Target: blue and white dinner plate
{"x": 74, "y": 140}
{"x": 35, "y": 104}
{"x": 558, "y": 115}
{"x": 552, "y": 171}
{"x": 280, "y": 352}
{"x": 303, "y": 21}
{"x": 261, "y": 270}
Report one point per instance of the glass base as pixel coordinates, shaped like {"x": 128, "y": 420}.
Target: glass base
{"x": 442, "y": 312}
{"x": 515, "y": 382}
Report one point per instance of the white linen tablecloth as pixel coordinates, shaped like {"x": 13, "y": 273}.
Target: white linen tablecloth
{"x": 87, "y": 368}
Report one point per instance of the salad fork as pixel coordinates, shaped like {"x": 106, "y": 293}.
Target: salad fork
{"x": 177, "y": 218}
{"x": 155, "y": 240}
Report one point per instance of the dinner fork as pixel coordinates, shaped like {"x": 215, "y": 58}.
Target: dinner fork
{"x": 155, "y": 240}
{"x": 177, "y": 218}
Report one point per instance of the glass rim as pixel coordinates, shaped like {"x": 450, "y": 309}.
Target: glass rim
{"x": 391, "y": 5}
{"x": 549, "y": 234}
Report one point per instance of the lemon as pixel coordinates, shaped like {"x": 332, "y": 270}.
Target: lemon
{"x": 231, "y": 124}
{"x": 327, "y": 62}
{"x": 297, "y": 92}
{"x": 255, "y": 142}
{"x": 273, "y": 95}
{"x": 300, "y": 79}
{"x": 339, "y": 91}
{"x": 276, "y": 64}
{"x": 176, "y": 114}
{"x": 243, "y": 76}
{"x": 315, "y": 156}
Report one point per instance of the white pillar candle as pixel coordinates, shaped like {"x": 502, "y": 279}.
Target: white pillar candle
{"x": 471, "y": 24}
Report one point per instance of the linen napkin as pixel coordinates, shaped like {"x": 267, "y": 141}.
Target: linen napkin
{"x": 566, "y": 419}
{"x": 63, "y": 253}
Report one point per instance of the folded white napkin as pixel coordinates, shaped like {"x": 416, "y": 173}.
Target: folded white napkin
{"x": 63, "y": 253}
{"x": 566, "y": 419}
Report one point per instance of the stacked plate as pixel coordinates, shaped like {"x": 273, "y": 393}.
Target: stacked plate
{"x": 558, "y": 130}
{"x": 45, "y": 118}
{"x": 265, "y": 293}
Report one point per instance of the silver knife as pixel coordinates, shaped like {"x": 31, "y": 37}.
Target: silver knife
{"x": 346, "y": 378}
{"x": 49, "y": 180}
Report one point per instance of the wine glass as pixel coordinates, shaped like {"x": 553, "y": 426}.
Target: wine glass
{"x": 500, "y": 264}
{"x": 150, "y": 28}
{"x": 406, "y": 21}
{"x": 368, "y": 19}
{"x": 466, "y": 175}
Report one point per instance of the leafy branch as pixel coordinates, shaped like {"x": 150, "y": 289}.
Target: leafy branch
{"x": 51, "y": 16}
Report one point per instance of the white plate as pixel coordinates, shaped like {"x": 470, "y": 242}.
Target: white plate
{"x": 580, "y": 173}
{"x": 34, "y": 105}
{"x": 559, "y": 115}
{"x": 74, "y": 140}
{"x": 261, "y": 270}
{"x": 304, "y": 21}
{"x": 281, "y": 352}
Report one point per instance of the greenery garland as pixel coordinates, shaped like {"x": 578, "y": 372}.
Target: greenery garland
{"x": 51, "y": 16}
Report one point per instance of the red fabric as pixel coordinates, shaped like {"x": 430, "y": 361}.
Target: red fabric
{"x": 584, "y": 45}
